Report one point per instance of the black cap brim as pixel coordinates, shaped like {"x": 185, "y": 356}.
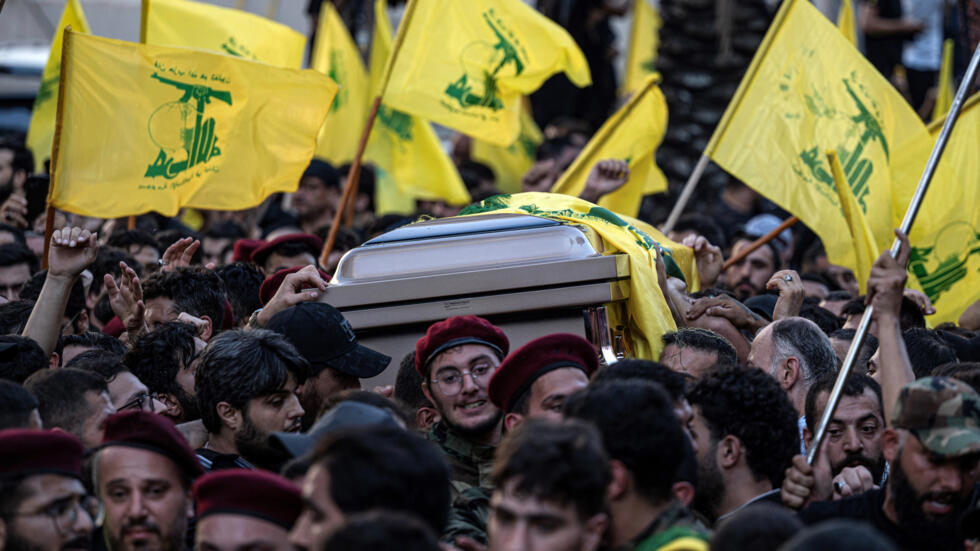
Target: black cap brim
{"x": 294, "y": 443}
{"x": 361, "y": 362}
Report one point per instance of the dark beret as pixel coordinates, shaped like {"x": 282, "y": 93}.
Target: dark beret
{"x": 258, "y": 494}
{"x": 530, "y": 362}
{"x": 25, "y": 452}
{"x": 153, "y": 432}
{"x": 312, "y": 242}
{"x": 456, "y": 331}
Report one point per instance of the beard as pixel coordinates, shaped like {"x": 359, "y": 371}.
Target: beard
{"x": 710, "y": 488}
{"x": 254, "y": 446}
{"x": 942, "y": 532}
{"x": 174, "y": 541}
{"x": 476, "y": 431}
{"x": 189, "y": 410}
{"x": 876, "y": 468}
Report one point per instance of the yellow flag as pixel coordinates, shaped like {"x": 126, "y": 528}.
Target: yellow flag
{"x": 809, "y": 90}
{"x": 405, "y": 148}
{"x": 632, "y": 134}
{"x": 472, "y": 74}
{"x": 509, "y": 163}
{"x": 646, "y": 315}
{"x": 946, "y": 235}
{"x": 644, "y": 41}
{"x": 336, "y": 55}
{"x": 40, "y": 134}
{"x": 944, "y": 96}
{"x": 234, "y": 32}
{"x": 865, "y": 249}
{"x": 144, "y": 128}
{"x": 845, "y": 21}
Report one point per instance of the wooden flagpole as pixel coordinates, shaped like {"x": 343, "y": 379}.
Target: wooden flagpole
{"x": 56, "y": 146}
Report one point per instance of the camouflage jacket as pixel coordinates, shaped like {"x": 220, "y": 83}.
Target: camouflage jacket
{"x": 676, "y": 529}
{"x": 469, "y": 515}
{"x": 471, "y": 463}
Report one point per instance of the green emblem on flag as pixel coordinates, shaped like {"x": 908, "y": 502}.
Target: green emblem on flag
{"x": 939, "y": 267}
{"x": 864, "y": 130}
{"x": 398, "y": 123}
{"x": 237, "y": 49}
{"x": 338, "y": 74}
{"x": 482, "y": 63}
{"x": 177, "y": 127}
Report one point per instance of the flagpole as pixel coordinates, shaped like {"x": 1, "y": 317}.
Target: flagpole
{"x": 350, "y": 190}
{"x": 910, "y": 214}
{"x": 759, "y": 242}
{"x": 56, "y": 146}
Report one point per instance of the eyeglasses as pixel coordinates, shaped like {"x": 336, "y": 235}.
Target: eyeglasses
{"x": 138, "y": 401}
{"x": 64, "y": 512}
{"x": 450, "y": 381}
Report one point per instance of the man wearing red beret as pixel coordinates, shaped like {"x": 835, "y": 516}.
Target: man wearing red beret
{"x": 534, "y": 381}
{"x": 43, "y": 505}
{"x": 143, "y": 474}
{"x": 456, "y": 358}
{"x": 239, "y": 509}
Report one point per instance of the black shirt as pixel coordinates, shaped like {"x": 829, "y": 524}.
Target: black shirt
{"x": 868, "y": 507}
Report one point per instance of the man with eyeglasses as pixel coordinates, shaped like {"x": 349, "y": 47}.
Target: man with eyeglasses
{"x": 43, "y": 505}
{"x": 143, "y": 474}
{"x": 456, "y": 358}
{"x": 126, "y": 391}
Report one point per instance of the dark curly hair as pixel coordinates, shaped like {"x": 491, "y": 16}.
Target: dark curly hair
{"x": 638, "y": 427}
{"x": 557, "y": 462}
{"x": 242, "y": 282}
{"x": 197, "y": 291}
{"x": 673, "y": 382}
{"x": 158, "y": 356}
{"x": 750, "y": 405}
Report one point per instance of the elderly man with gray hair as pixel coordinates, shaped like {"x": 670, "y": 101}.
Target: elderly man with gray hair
{"x": 796, "y": 353}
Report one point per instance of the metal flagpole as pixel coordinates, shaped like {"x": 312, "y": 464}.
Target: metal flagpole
{"x": 910, "y": 214}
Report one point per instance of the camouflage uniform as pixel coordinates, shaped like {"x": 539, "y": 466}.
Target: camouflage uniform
{"x": 676, "y": 529}
{"x": 471, "y": 486}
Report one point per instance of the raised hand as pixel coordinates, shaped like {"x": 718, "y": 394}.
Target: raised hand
{"x": 126, "y": 299}
{"x": 14, "y": 211}
{"x": 708, "y": 258}
{"x": 72, "y": 250}
{"x": 302, "y": 286}
{"x": 606, "y": 177}
{"x": 791, "y": 294}
{"x": 179, "y": 254}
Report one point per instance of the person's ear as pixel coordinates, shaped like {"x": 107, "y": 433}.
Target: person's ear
{"x": 425, "y": 417}
{"x": 208, "y": 330}
{"x": 620, "y": 481}
{"x": 890, "y": 443}
{"x": 807, "y": 437}
{"x": 512, "y": 421}
{"x": 729, "y": 452}
{"x": 683, "y": 492}
{"x": 594, "y": 528}
{"x": 789, "y": 373}
{"x": 174, "y": 409}
{"x": 54, "y": 360}
{"x": 230, "y": 416}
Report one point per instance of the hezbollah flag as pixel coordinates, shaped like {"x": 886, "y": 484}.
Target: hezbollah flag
{"x": 40, "y": 134}
{"x": 234, "y": 32}
{"x": 336, "y": 56}
{"x": 509, "y": 163}
{"x": 945, "y": 238}
{"x": 405, "y": 149}
{"x": 632, "y": 134}
{"x": 151, "y": 128}
{"x": 865, "y": 249}
{"x": 646, "y": 315}
{"x": 806, "y": 91}
{"x": 845, "y": 21}
{"x": 472, "y": 74}
{"x": 644, "y": 41}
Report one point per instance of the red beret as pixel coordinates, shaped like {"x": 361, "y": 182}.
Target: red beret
{"x": 528, "y": 363}
{"x": 153, "y": 432}
{"x": 273, "y": 282}
{"x": 454, "y": 332}
{"x": 262, "y": 253}
{"x": 257, "y": 494}
{"x": 244, "y": 248}
{"x": 25, "y": 452}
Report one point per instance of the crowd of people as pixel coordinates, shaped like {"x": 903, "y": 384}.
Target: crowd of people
{"x": 174, "y": 383}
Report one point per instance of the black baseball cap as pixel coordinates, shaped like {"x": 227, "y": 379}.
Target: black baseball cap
{"x": 325, "y": 338}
